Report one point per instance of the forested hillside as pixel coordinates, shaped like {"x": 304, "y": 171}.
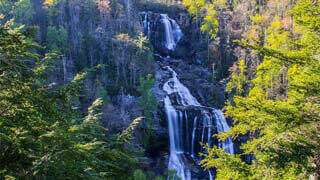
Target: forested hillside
{"x": 273, "y": 88}
{"x": 159, "y": 89}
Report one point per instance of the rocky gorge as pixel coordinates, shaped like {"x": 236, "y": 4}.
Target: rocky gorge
{"x": 190, "y": 125}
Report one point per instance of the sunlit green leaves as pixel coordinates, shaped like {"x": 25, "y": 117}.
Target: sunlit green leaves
{"x": 41, "y": 133}
{"x": 208, "y": 11}
{"x": 278, "y": 111}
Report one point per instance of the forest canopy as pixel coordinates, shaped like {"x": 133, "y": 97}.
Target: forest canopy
{"x": 87, "y": 88}
{"x": 275, "y": 106}
{"x": 42, "y": 132}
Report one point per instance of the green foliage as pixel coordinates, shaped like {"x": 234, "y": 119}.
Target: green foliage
{"x": 237, "y": 83}
{"x": 41, "y": 132}
{"x": 210, "y": 21}
{"x": 139, "y": 175}
{"x": 194, "y": 7}
{"x": 103, "y": 94}
{"x": 279, "y": 112}
{"x": 57, "y": 39}
{"x": 230, "y": 166}
{"x": 172, "y": 174}
{"x": 51, "y": 3}
{"x": 21, "y": 11}
{"x": 167, "y": 6}
{"x": 208, "y": 11}
{"x": 306, "y": 13}
{"x": 149, "y": 104}
{"x": 126, "y": 135}
{"x": 147, "y": 101}
{"x": 132, "y": 56}
{"x": 144, "y": 175}
{"x": 143, "y": 50}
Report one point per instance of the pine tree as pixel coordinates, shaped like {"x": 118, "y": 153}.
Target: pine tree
{"x": 280, "y": 113}
{"x": 42, "y": 134}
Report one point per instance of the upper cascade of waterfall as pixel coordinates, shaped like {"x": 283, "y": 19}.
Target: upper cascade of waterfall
{"x": 172, "y": 30}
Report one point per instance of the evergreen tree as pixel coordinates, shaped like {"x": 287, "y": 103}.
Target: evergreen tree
{"x": 280, "y": 111}
{"x": 42, "y": 134}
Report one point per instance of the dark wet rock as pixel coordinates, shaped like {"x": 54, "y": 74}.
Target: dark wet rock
{"x": 198, "y": 79}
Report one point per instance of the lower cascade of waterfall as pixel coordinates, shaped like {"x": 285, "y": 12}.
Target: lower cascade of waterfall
{"x": 190, "y": 126}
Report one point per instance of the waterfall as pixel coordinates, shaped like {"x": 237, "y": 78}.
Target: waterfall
{"x": 190, "y": 125}
{"x": 173, "y": 33}
{"x": 145, "y": 23}
{"x": 222, "y": 126}
{"x": 176, "y": 157}
{"x": 185, "y": 114}
{"x": 175, "y": 121}
{"x": 173, "y": 85}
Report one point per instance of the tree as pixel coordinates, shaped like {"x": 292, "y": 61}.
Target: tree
{"x": 42, "y": 134}
{"x": 20, "y": 10}
{"x": 209, "y": 13}
{"x": 280, "y": 114}
{"x": 148, "y": 101}
{"x": 149, "y": 104}
{"x": 237, "y": 83}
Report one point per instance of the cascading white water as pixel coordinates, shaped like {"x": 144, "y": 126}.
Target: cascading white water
{"x": 173, "y": 85}
{"x": 182, "y": 143}
{"x": 175, "y": 160}
{"x": 173, "y": 33}
{"x": 222, "y": 126}
{"x": 146, "y": 23}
